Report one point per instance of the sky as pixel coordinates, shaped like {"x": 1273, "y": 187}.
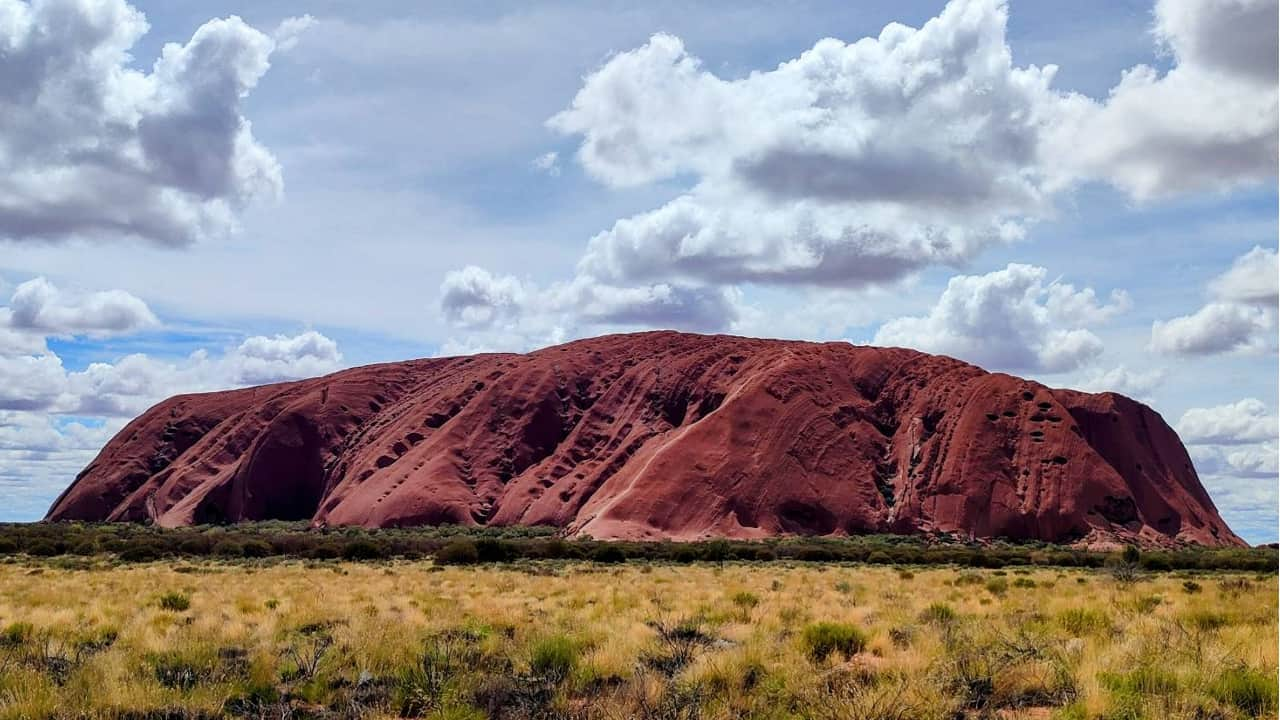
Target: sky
{"x": 202, "y": 195}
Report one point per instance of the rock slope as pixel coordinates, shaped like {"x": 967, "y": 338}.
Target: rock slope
{"x": 663, "y": 435}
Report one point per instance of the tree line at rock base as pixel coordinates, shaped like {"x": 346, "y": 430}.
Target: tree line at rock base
{"x": 129, "y": 542}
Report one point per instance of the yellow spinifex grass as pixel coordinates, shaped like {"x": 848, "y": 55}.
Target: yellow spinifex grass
{"x": 578, "y": 640}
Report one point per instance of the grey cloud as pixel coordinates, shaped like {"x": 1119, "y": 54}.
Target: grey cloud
{"x": 1237, "y": 37}
{"x": 91, "y": 148}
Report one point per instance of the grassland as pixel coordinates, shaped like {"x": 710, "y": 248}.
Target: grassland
{"x": 281, "y": 638}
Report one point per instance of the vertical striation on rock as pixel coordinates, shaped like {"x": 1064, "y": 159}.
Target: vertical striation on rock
{"x": 663, "y": 435}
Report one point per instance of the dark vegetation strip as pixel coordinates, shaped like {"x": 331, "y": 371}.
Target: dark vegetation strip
{"x": 462, "y": 545}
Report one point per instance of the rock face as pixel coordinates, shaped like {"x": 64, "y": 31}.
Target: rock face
{"x": 663, "y": 435}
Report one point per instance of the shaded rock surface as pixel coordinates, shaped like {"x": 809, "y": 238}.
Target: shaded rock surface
{"x": 663, "y": 435}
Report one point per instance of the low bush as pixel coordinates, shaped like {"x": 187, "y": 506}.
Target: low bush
{"x": 15, "y": 634}
{"x": 228, "y": 549}
{"x": 608, "y": 553}
{"x": 553, "y": 658}
{"x": 141, "y": 553}
{"x": 1206, "y": 620}
{"x": 938, "y": 614}
{"x": 1144, "y": 680}
{"x": 458, "y": 552}
{"x": 1083, "y": 621}
{"x": 179, "y": 670}
{"x": 491, "y": 550}
{"x": 142, "y": 543}
{"x": 175, "y": 602}
{"x": 745, "y": 602}
{"x": 364, "y": 550}
{"x": 1144, "y": 604}
{"x": 1252, "y": 692}
{"x": 824, "y": 638}
{"x": 256, "y": 549}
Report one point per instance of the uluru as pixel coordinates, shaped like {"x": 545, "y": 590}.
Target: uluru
{"x": 661, "y": 435}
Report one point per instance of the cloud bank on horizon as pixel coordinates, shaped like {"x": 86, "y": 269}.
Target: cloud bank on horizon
{"x": 875, "y": 190}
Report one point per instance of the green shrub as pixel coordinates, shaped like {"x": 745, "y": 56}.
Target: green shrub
{"x": 175, "y": 602}
{"x": 1191, "y": 587}
{"x": 608, "y": 553}
{"x": 879, "y": 557}
{"x": 1143, "y": 680}
{"x": 715, "y": 551}
{"x": 1156, "y": 563}
{"x": 843, "y": 587}
{"x": 553, "y": 658}
{"x": 822, "y": 639}
{"x": 228, "y": 549}
{"x": 193, "y": 546}
{"x": 1083, "y": 621}
{"x": 458, "y": 552}
{"x": 1207, "y": 620}
{"x": 1023, "y": 582}
{"x": 97, "y": 639}
{"x": 365, "y": 550}
{"x": 1146, "y": 603}
{"x": 490, "y": 550}
{"x": 458, "y": 712}
{"x": 745, "y": 602}
{"x": 84, "y": 547}
{"x": 969, "y": 578}
{"x": 141, "y": 553}
{"x": 938, "y": 614}
{"x": 997, "y": 586}
{"x": 1251, "y": 691}
{"x": 256, "y": 549}
{"x": 15, "y": 634}
{"x": 44, "y": 548}
{"x": 176, "y": 670}
{"x": 324, "y": 551}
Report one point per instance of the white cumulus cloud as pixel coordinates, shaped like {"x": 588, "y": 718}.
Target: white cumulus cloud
{"x": 261, "y": 359}
{"x": 502, "y": 312}
{"x": 91, "y": 147}
{"x": 854, "y": 163}
{"x": 1009, "y": 319}
{"x": 857, "y": 164}
{"x": 38, "y": 306}
{"x": 1241, "y": 316}
{"x": 1242, "y": 422}
{"x": 1210, "y": 122}
{"x": 1138, "y": 384}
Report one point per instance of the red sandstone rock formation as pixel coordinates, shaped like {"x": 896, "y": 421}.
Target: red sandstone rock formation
{"x": 663, "y": 435}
